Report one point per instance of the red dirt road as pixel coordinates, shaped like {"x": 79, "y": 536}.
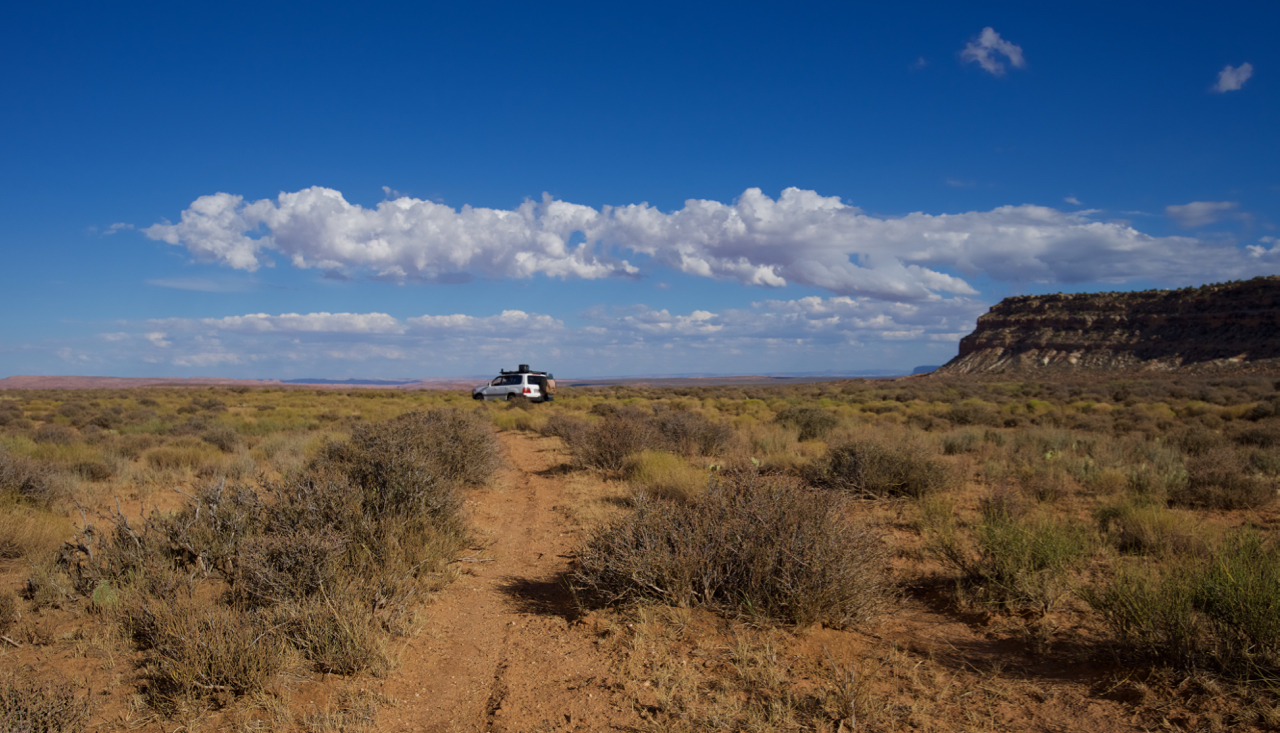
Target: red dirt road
{"x": 499, "y": 649}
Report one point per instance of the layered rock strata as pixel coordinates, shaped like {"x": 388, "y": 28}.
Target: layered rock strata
{"x": 1220, "y": 326}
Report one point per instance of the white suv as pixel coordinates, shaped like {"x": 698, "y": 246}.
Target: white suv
{"x": 522, "y": 383}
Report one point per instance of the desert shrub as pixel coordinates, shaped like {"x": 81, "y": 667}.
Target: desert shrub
{"x": 692, "y": 434}
{"x": 203, "y": 651}
{"x": 1196, "y": 440}
{"x": 106, "y": 420}
{"x": 1269, "y": 407}
{"x": 30, "y": 706}
{"x": 753, "y": 545}
{"x": 1240, "y": 593}
{"x": 29, "y": 481}
{"x": 965, "y": 441}
{"x": 664, "y": 475}
{"x": 223, "y": 437}
{"x": 566, "y": 427}
{"x": 1045, "y": 480}
{"x": 1264, "y": 461}
{"x": 55, "y": 434}
{"x": 335, "y": 634}
{"x": 608, "y": 442}
{"x": 390, "y": 552}
{"x": 1261, "y": 434}
{"x": 120, "y": 553}
{"x": 604, "y": 408}
{"x": 812, "y": 423}
{"x": 875, "y": 468}
{"x": 973, "y": 413}
{"x": 274, "y": 568}
{"x": 1150, "y": 613}
{"x": 213, "y": 523}
{"x": 1221, "y": 479}
{"x": 93, "y": 470}
{"x": 447, "y": 445}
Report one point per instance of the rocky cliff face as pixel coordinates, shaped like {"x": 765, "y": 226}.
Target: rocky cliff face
{"x": 1223, "y": 326}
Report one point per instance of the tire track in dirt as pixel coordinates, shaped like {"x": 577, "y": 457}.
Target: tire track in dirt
{"x": 499, "y": 649}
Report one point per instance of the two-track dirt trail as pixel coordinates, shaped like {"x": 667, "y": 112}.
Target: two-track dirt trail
{"x": 499, "y": 649}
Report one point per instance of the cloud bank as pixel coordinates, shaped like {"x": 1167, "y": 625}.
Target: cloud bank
{"x": 801, "y": 237}
{"x": 786, "y": 335}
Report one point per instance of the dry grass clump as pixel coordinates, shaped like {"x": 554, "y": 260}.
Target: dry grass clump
{"x": 31, "y": 706}
{"x": 882, "y": 468}
{"x": 754, "y": 545}
{"x": 664, "y": 475}
{"x": 209, "y": 652}
{"x": 29, "y": 531}
{"x": 1134, "y": 526}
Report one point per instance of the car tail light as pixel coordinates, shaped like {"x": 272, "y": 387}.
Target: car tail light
{"x": 528, "y": 391}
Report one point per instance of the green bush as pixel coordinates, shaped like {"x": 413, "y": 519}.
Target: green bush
{"x": 1221, "y": 612}
{"x": 1024, "y": 560}
{"x": 753, "y": 545}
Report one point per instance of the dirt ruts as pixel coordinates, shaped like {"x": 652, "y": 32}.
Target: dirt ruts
{"x": 500, "y": 648}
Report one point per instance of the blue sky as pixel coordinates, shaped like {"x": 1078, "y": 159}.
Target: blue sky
{"x": 414, "y": 189}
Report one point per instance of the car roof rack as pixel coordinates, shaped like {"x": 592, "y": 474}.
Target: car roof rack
{"x": 524, "y": 369}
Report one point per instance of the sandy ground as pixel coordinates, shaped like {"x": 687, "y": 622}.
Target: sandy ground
{"x": 504, "y": 648}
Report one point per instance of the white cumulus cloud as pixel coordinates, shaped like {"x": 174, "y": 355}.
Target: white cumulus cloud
{"x": 1232, "y": 78}
{"x": 801, "y": 237}
{"x": 986, "y": 49}
{"x": 400, "y": 238}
